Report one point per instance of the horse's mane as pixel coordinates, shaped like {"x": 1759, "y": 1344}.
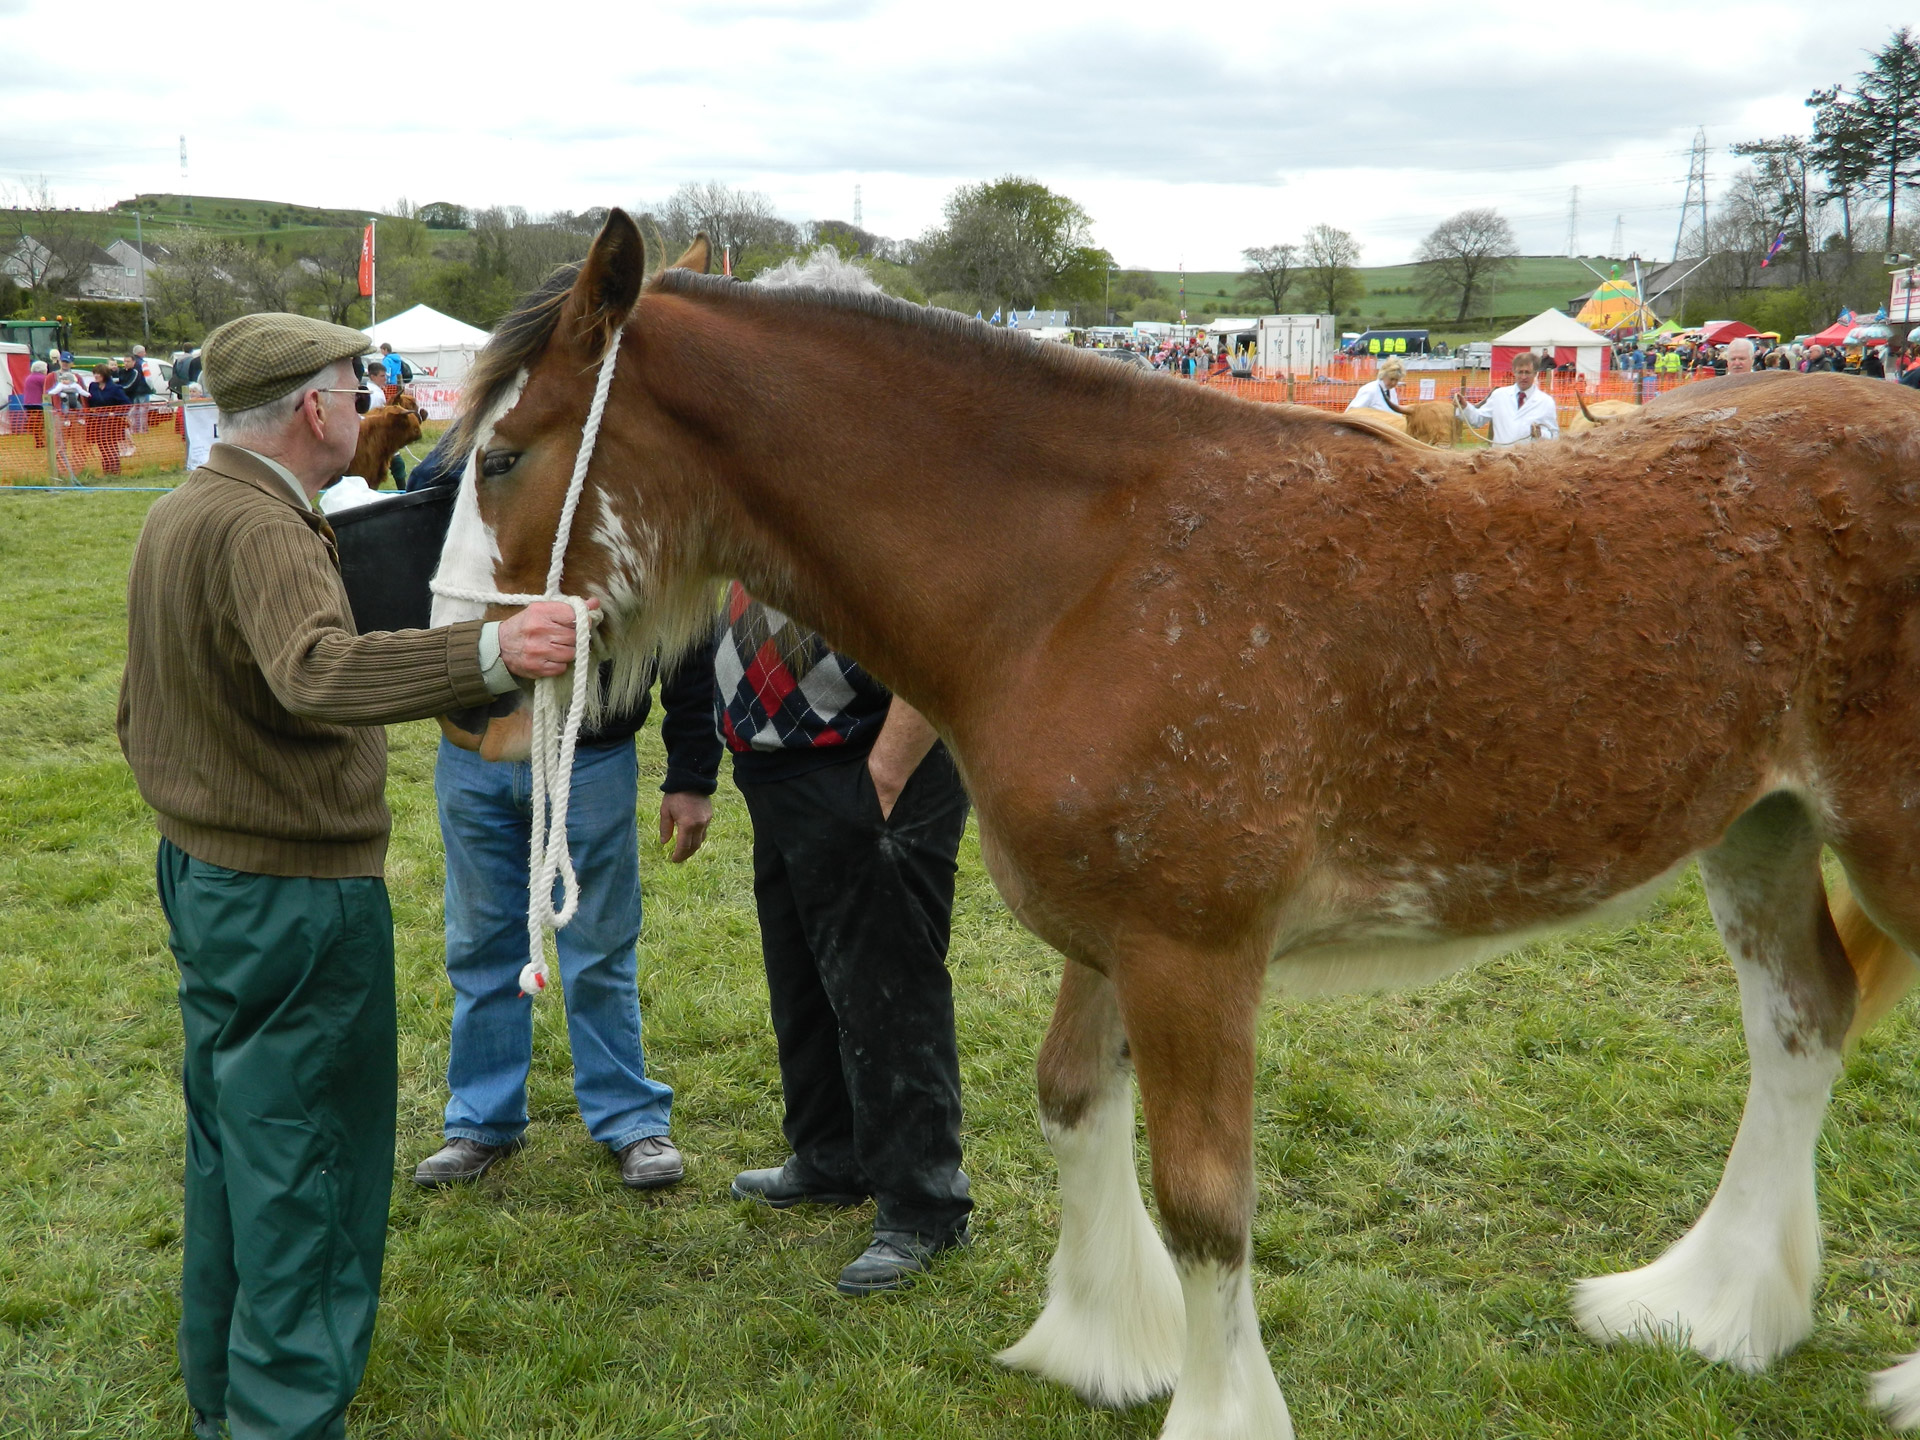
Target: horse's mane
{"x": 810, "y": 286}
{"x": 521, "y": 334}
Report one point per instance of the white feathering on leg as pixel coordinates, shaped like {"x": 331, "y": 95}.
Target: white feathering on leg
{"x": 1113, "y": 1326}
{"x": 1227, "y": 1390}
{"x": 1897, "y": 1391}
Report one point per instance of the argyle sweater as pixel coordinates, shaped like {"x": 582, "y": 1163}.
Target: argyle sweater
{"x": 788, "y": 703}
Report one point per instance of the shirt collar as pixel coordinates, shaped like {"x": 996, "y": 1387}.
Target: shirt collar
{"x": 282, "y": 471}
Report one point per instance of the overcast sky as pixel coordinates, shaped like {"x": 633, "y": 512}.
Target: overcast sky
{"x": 1187, "y": 132}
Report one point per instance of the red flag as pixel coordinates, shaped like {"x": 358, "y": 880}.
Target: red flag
{"x": 726, "y": 260}
{"x": 366, "y": 262}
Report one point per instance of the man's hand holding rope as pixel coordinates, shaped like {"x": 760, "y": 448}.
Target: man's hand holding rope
{"x": 538, "y": 642}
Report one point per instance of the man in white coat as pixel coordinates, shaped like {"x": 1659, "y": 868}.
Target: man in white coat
{"x": 1521, "y": 412}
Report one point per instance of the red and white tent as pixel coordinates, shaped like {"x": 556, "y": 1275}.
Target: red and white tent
{"x": 1570, "y": 341}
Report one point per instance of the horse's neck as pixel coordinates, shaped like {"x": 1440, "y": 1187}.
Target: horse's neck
{"x": 931, "y": 538}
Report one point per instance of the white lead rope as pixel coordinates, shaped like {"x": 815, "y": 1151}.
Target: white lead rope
{"x": 554, "y": 739}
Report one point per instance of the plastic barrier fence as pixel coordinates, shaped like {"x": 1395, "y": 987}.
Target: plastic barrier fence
{"x": 1329, "y": 392}
{"x": 87, "y": 446}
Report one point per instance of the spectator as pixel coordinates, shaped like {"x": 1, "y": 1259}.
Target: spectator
{"x": 1872, "y": 366}
{"x": 1737, "y": 358}
{"x": 107, "y": 405}
{"x": 134, "y": 380}
{"x": 398, "y": 370}
{"x": 857, "y": 815}
{"x": 66, "y": 392}
{"x": 33, "y": 394}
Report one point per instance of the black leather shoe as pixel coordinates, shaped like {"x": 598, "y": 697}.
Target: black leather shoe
{"x": 651, "y": 1164}
{"x": 894, "y": 1258}
{"x": 459, "y": 1161}
{"x": 778, "y": 1188}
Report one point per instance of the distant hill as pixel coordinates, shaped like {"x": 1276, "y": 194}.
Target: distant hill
{"x": 1534, "y": 284}
{"x": 220, "y": 212}
{"x": 237, "y": 218}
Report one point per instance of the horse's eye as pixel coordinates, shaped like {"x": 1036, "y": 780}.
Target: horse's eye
{"x": 495, "y": 463}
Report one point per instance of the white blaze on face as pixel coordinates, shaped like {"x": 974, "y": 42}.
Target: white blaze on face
{"x": 471, "y": 553}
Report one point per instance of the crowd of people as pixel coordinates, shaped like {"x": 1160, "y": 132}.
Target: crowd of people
{"x": 1886, "y": 360}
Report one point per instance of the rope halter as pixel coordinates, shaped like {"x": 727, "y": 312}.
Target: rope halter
{"x": 555, "y": 737}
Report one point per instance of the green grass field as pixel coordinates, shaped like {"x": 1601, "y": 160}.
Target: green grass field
{"x": 1434, "y": 1169}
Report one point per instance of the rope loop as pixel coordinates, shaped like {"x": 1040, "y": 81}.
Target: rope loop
{"x": 555, "y": 735}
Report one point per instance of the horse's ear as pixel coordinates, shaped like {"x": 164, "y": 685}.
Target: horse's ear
{"x": 699, "y": 256}
{"x": 609, "y": 281}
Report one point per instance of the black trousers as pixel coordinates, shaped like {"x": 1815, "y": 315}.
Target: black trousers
{"x": 855, "y": 914}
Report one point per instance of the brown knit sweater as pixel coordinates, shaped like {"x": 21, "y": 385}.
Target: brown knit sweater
{"x": 250, "y": 710}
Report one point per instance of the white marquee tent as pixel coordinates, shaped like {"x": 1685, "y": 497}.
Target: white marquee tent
{"x": 436, "y": 345}
{"x": 1590, "y": 352}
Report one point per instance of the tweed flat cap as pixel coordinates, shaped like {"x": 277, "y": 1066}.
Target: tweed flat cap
{"x": 259, "y": 358}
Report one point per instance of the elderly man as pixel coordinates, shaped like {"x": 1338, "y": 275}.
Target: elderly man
{"x": 1739, "y": 355}
{"x": 857, "y": 816}
{"x": 250, "y": 714}
{"x": 1521, "y": 412}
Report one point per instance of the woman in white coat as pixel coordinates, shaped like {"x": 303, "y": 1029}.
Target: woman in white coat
{"x": 1379, "y": 393}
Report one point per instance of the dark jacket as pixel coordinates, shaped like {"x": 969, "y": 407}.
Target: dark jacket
{"x": 106, "y": 392}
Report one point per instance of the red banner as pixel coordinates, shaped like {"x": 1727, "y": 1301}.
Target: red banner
{"x": 366, "y": 262}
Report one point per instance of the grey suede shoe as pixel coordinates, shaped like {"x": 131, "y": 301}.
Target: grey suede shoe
{"x": 459, "y": 1161}
{"x": 894, "y": 1258}
{"x": 651, "y": 1164}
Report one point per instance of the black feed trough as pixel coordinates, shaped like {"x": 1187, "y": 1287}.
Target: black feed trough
{"x": 388, "y": 552}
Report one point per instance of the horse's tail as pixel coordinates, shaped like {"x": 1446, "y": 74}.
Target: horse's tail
{"x": 1882, "y": 970}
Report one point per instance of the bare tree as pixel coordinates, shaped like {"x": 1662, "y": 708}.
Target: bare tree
{"x": 332, "y": 274}
{"x": 48, "y": 248}
{"x": 265, "y": 274}
{"x": 1783, "y": 174}
{"x": 1327, "y": 274}
{"x": 1743, "y": 229}
{"x": 511, "y": 245}
{"x": 733, "y": 219}
{"x": 1269, "y": 274}
{"x": 1463, "y": 258}
{"x": 196, "y": 287}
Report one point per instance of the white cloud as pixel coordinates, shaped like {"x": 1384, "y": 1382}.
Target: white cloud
{"x": 1185, "y": 133}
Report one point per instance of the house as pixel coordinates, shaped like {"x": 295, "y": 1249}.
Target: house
{"x": 88, "y": 271}
{"x": 131, "y": 257}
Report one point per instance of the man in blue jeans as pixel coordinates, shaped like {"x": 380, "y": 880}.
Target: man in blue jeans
{"x": 485, "y": 816}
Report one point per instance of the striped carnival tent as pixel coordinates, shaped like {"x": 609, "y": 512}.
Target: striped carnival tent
{"x": 1614, "y": 308}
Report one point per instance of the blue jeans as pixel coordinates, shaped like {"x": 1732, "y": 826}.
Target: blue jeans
{"x": 485, "y": 819}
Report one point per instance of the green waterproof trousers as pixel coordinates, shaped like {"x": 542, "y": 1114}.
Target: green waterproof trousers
{"x": 286, "y": 995}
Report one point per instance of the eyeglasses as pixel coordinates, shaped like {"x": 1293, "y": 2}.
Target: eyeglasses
{"x": 362, "y": 401}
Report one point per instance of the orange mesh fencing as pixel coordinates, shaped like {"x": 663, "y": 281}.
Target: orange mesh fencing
{"x": 103, "y": 443}
{"x": 1335, "y": 392}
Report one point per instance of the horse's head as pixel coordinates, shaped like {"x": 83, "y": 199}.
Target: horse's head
{"x": 526, "y": 405}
